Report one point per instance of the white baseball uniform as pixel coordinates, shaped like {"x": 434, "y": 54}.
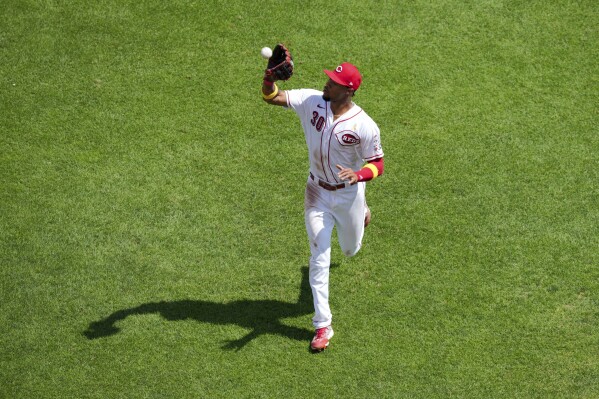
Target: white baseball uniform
{"x": 349, "y": 141}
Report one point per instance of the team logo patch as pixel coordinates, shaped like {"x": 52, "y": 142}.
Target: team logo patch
{"x": 348, "y": 138}
{"x": 377, "y": 144}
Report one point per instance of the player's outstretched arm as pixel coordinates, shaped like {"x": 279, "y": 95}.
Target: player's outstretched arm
{"x": 272, "y": 94}
{"x": 280, "y": 67}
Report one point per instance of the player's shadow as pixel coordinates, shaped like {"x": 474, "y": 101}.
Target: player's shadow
{"x": 259, "y": 316}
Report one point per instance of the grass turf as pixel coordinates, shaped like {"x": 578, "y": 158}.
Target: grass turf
{"x": 151, "y": 229}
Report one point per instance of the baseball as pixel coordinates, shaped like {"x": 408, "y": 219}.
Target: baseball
{"x": 266, "y": 52}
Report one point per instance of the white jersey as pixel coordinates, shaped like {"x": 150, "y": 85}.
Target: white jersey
{"x": 348, "y": 141}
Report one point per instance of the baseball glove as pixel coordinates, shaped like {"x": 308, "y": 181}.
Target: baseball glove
{"x": 280, "y": 64}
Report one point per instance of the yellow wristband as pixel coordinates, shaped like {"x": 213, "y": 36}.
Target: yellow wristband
{"x": 375, "y": 170}
{"x": 273, "y": 94}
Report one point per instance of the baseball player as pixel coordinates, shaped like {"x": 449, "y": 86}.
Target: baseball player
{"x": 345, "y": 151}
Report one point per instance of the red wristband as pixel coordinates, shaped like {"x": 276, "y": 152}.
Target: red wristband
{"x": 371, "y": 170}
{"x": 365, "y": 174}
{"x": 268, "y": 83}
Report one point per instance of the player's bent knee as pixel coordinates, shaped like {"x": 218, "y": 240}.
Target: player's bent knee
{"x": 352, "y": 252}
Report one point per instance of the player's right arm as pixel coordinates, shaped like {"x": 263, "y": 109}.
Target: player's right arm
{"x": 272, "y": 94}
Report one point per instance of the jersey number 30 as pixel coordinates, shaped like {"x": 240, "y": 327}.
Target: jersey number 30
{"x": 317, "y": 121}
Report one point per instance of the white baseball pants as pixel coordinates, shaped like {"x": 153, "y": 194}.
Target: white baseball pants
{"x": 324, "y": 210}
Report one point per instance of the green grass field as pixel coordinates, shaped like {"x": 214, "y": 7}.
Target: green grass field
{"x": 152, "y": 242}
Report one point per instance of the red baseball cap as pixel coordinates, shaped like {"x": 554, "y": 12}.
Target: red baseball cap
{"x": 347, "y": 75}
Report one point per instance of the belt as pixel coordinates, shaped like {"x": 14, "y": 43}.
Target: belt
{"x": 326, "y": 185}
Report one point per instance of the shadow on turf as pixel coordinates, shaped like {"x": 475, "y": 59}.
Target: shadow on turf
{"x": 262, "y": 317}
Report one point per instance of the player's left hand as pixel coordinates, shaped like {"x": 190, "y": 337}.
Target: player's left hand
{"x": 280, "y": 64}
{"x": 347, "y": 174}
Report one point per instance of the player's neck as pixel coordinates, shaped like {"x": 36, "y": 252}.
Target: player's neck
{"x": 340, "y": 108}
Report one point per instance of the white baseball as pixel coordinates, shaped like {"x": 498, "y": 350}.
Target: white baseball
{"x": 266, "y": 52}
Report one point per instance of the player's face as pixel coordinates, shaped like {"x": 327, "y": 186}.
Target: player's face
{"x": 333, "y": 91}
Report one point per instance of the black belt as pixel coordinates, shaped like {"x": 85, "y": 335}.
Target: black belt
{"x": 326, "y": 185}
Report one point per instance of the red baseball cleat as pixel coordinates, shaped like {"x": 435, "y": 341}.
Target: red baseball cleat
{"x": 321, "y": 338}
